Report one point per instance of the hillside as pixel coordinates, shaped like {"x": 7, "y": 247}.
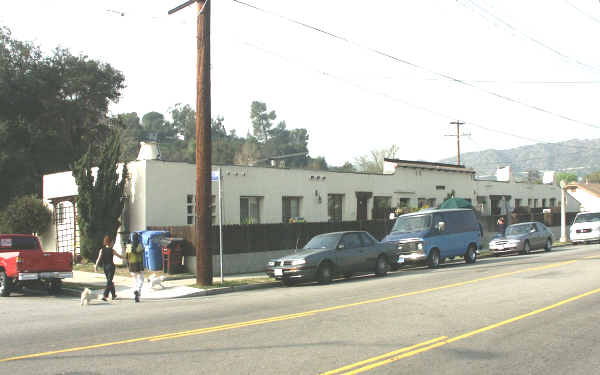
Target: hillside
{"x": 576, "y": 156}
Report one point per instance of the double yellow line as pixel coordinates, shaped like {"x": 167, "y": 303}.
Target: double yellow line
{"x": 385, "y": 359}
{"x": 279, "y": 318}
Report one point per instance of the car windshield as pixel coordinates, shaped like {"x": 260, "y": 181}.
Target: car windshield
{"x": 323, "y": 241}
{"x": 586, "y": 218}
{"x": 409, "y": 224}
{"x": 518, "y": 229}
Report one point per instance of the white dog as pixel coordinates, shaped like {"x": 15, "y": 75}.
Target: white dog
{"x": 86, "y": 296}
{"x": 156, "y": 281}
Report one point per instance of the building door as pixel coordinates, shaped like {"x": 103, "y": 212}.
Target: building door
{"x": 362, "y": 200}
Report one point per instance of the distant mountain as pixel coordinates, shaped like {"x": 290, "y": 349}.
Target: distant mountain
{"x": 580, "y": 157}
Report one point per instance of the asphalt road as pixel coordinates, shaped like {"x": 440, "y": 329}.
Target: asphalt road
{"x": 534, "y": 314}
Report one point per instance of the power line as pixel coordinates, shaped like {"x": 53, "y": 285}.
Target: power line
{"x": 405, "y": 102}
{"x": 516, "y": 31}
{"x": 582, "y": 12}
{"x": 416, "y": 66}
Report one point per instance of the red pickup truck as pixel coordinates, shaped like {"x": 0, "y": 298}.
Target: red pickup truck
{"x": 23, "y": 262}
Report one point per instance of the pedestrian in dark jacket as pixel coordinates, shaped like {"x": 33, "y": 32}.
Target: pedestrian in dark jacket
{"x": 105, "y": 256}
{"x": 501, "y": 226}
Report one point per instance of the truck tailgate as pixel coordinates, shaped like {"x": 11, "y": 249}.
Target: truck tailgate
{"x": 36, "y": 261}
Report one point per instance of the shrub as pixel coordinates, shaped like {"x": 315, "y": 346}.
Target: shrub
{"x": 26, "y": 214}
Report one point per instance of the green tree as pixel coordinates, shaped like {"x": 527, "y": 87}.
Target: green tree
{"x": 26, "y": 214}
{"x": 592, "y": 178}
{"x": 130, "y": 133}
{"x": 318, "y": 163}
{"x": 51, "y": 109}
{"x": 568, "y": 177}
{"x": 261, "y": 120}
{"x": 184, "y": 121}
{"x": 99, "y": 200}
{"x": 534, "y": 176}
{"x": 373, "y": 163}
{"x": 156, "y": 128}
{"x": 346, "y": 167}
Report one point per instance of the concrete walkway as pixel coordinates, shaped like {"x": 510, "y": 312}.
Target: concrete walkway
{"x": 174, "y": 286}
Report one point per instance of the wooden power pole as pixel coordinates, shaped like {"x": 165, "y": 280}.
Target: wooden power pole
{"x": 458, "y": 124}
{"x": 204, "y": 274}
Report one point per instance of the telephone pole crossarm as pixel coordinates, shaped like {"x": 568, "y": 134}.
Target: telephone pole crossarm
{"x": 180, "y": 7}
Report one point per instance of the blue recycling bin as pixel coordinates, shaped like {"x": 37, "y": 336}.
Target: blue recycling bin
{"x": 153, "y": 249}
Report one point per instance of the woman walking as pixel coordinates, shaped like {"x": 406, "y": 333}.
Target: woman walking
{"x": 105, "y": 255}
{"x": 135, "y": 263}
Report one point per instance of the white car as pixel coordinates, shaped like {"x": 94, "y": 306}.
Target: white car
{"x": 586, "y": 227}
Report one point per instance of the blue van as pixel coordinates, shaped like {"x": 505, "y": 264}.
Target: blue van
{"x": 431, "y": 236}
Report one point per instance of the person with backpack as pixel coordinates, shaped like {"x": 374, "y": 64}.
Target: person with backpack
{"x": 135, "y": 264}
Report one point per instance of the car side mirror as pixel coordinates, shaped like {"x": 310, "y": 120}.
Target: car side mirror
{"x": 441, "y": 226}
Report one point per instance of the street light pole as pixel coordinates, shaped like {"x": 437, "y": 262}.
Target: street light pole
{"x": 563, "y": 209}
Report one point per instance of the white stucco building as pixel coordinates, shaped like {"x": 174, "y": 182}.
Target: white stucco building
{"x": 588, "y": 195}
{"x": 162, "y": 193}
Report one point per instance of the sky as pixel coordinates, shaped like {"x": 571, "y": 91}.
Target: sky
{"x": 358, "y": 75}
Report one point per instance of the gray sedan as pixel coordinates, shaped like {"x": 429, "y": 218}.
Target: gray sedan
{"x": 333, "y": 254}
{"x": 522, "y": 238}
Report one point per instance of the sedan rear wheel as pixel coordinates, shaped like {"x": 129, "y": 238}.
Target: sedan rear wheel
{"x": 548, "y": 245}
{"x": 381, "y": 266}
{"x": 324, "y": 273}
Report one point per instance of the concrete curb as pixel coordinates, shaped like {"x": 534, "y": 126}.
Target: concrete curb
{"x": 485, "y": 253}
{"x": 201, "y": 292}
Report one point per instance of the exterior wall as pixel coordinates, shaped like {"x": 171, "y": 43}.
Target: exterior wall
{"x": 169, "y": 184}
{"x": 157, "y": 191}
{"x": 62, "y": 184}
{"x": 589, "y": 201}
{"x": 415, "y": 183}
{"x": 522, "y": 191}
{"x": 137, "y": 200}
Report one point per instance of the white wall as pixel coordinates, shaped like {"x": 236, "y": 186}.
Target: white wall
{"x": 588, "y": 200}
{"x": 169, "y": 183}
{"x": 157, "y": 191}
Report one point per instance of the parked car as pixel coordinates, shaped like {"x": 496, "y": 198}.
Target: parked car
{"x": 23, "y": 262}
{"x": 522, "y": 238}
{"x": 585, "y": 228}
{"x": 431, "y": 236}
{"x": 329, "y": 255}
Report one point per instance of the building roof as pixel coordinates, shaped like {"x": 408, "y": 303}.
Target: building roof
{"x": 430, "y": 165}
{"x": 591, "y": 188}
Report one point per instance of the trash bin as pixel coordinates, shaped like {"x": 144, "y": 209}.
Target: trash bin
{"x": 151, "y": 239}
{"x": 172, "y": 254}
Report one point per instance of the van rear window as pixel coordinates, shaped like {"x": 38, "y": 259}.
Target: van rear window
{"x": 19, "y": 243}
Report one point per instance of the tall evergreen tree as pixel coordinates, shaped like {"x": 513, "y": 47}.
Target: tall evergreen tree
{"x": 99, "y": 202}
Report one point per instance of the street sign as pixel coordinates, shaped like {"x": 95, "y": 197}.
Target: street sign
{"x": 215, "y": 175}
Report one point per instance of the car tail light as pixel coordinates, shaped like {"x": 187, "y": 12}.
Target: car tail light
{"x": 19, "y": 259}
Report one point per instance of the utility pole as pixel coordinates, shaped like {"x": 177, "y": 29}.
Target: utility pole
{"x": 204, "y": 274}
{"x": 458, "y": 124}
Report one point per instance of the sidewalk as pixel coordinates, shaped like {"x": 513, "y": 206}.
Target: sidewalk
{"x": 174, "y": 286}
